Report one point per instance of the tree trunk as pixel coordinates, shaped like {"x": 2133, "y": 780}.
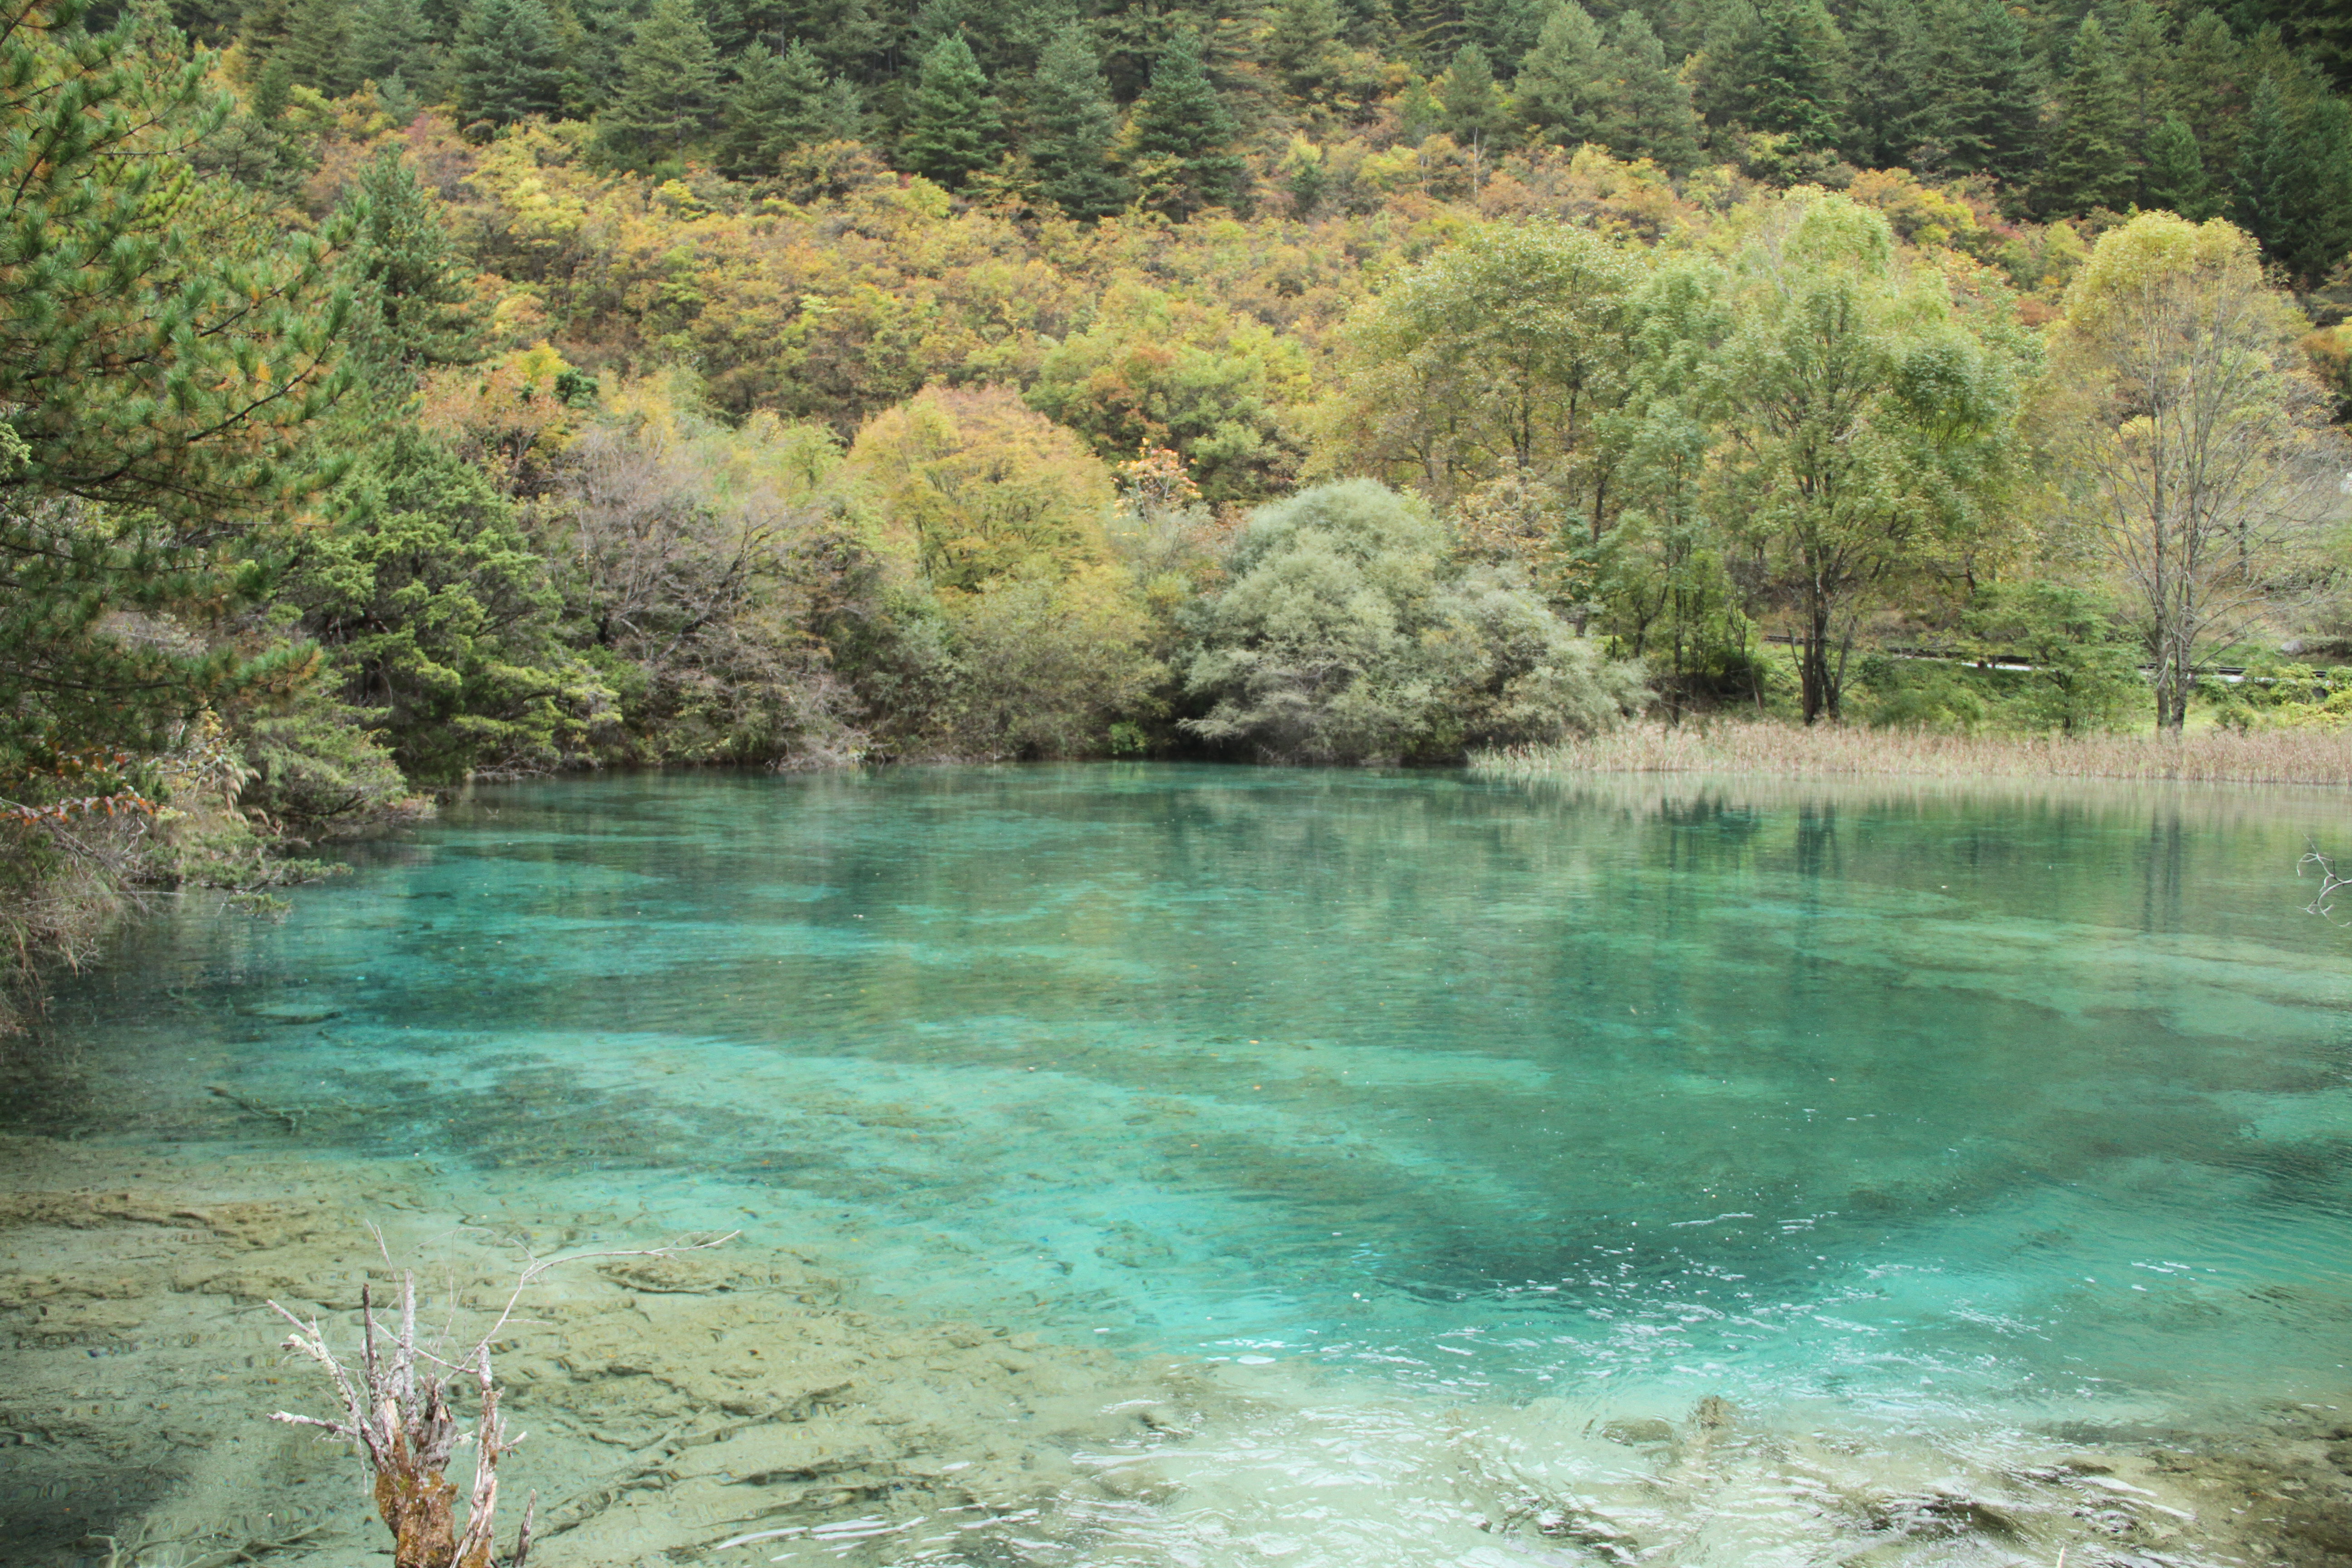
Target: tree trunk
{"x": 1815, "y": 681}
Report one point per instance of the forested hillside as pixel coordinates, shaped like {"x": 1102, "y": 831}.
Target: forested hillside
{"x": 2048, "y": 109}
{"x": 398, "y": 393}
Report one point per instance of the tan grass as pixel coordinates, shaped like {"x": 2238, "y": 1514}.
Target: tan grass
{"x": 2321, "y": 757}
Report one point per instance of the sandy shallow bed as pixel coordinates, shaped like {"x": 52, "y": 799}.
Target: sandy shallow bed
{"x": 752, "y": 1402}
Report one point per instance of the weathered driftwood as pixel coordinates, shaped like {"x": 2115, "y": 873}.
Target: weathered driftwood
{"x": 396, "y": 1411}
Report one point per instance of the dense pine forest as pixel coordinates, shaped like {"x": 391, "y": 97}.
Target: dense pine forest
{"x": 400, "y": 392}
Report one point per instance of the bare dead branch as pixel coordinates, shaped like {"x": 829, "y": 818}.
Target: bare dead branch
{"x": 404, "y": 1424}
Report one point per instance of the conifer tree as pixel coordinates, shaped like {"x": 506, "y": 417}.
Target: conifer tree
{"x": 160, "y": 375}
{"x": 2263, "y": 193}
{"x": 272, "y": 91}
{"x": 1649, "y": 113}
{"x": 2292, "y": 186}
{"x": 1565, "y": 84}
{"x": 1183, "y": 146}
{"x": 261, "y": 29}
{"x": 670, "y": 87}
{"x": 779, "y": 102}
{"x": 1071, "y": 126}
{"x": 1473, "y": 104}
{"x": 388, "y": 37}
{"x": 954, "y": 125}
{"x": 1304, "y": 47}
{"x": 2175, "y": 179}
{"x": 1430, "y": 30}
{"x": 317, "y": 48}
{"x": 1418, "y": 112}
{"x": 1505, "y": 29}
{"x": 506, "y": 66}
{"x": 1894, "y": 55}
{"x": 1979, "y": 99}
{"x": 2208, "y": 72}
{"x": 1796, "y": 78}
{"x": 413, "y": 304}
{"x": 2144, "y": 56}
{"x": 2091, "y": 160}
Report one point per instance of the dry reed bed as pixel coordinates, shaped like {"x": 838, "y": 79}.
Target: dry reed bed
{"x": 2215, "y": 756}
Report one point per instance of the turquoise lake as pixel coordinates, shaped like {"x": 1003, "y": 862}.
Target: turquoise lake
{"x": 1958, "y": 1114}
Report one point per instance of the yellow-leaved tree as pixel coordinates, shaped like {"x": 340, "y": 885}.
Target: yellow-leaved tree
{"x": 2190, "y": 437}
{"x": 972, "y": 484}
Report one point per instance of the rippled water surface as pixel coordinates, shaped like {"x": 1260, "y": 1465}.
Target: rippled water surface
{"x": 1949, "y": 1112}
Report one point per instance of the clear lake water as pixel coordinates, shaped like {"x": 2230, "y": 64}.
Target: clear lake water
{"x": 1961, "y": 1114}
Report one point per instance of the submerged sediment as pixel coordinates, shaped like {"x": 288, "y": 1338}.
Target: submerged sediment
{"x": 752, "y": 1402}
{"x": 672, "y": 1402}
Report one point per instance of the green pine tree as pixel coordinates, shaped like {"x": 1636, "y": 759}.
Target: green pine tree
{"x": 1566, "y": 82}
{"x": 1418, "y": 112}
{"x": 272, "y": 91}
{"x": 2175, "y": 179}
{"x": 317, "y": 48}
{"x": 506, "y": 65}
{"x": 954, "y": 125}
{"x": 845, "y": 34}
{"x": 388, "y": 39}
{"x": 2292, "y": 186}
{"x": 669, "y": 86}
{"x": 1796, "y": 84}
{"x": 1304, "y": 49}
{"x": 1649, "y": 113}
{"x": 779, "y": 102}
{"x": 1071, "y": 127}
{"x": 1430, "y": 30}
{"x": 1505, "y": 29}
{"x": 162, "y": 367}
{"x": 2144, "y": 56}
{"x": 1475, "y": 113}
{"x": 1183, "y": 144}
{"x": 2209, "y": 86}
{"x": 437, "y": 616}
{"x": 412, "y": 287}
{"x": 1896, "y": 53}
{"x": 2091, "y": 160}
{"x": 1981, "y": 114}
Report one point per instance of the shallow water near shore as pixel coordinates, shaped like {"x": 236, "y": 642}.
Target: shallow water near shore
{"x": 1679, "y": 1171}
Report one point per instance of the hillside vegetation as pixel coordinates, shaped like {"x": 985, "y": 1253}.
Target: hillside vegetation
{"x": 398, "y": 394}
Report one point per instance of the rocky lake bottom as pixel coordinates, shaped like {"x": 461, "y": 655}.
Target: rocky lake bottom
{"x": 1166, "y": 1168}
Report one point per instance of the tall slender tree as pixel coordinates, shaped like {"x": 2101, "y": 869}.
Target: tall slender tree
{"x": 2091, "y": 163}
{"x": 413, "y": 300}
{"x": 317, "y": 48}
{"x": 1474, "y": 105}
{"x": 1796, "y": 76}
{"x": 1071, "y": 127}
{"x": 1304, "y": 49}
{"x": 1505, "y": 29}
{"x": 1892, "y": 59}
{"x": 508, "y": 65}
{"x": 388, "y": 39}
{"x": 669, "y": 86}
{"x": 779, "y": 102}
{"x": 1649, "y": 112}
{"x": 954, "y": 125}
{"x": 2176, "y": 180}
{"x": 2291, "y": 187}
{"x": 2194, "y": 449}
{"x": 1564, "y": 83}
{"x": 1183, "y": 143}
